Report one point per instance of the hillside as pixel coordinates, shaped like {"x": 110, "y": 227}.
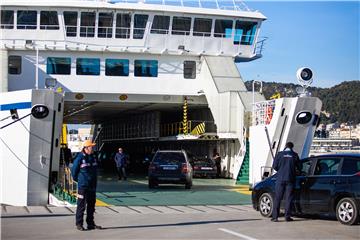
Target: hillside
{"x": 341, "y": 103}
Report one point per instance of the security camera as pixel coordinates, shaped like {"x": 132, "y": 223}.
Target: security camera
{"x": 305, "y": 76}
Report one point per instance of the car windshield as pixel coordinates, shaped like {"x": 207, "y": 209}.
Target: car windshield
{"x": 169, "y": 158}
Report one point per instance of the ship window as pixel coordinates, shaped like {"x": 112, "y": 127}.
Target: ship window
{"x": 87, "y": 28}
{"x": 88, "y": 66}
{"x": 140, "y": 21}
{"x": 70, "y": 19}
{"x": 117, "y": 67}
{"x": 58, "y": 65}
{"x": 181, "y": 26}
{"x": 7, "y": 19}
{"x": 146, "y": 68}
{"x": 123, "y": 25}
{"x": 244, "y": 32}
{"x": 190, "y": 69}
{"x": 14, "y": 66}
{"x": 160, "y": 24}
{"x": 26, "y": 19}
{"x": 223, "y": 28}
{"x": 105, "y": 25}
{"x": 202, "y": 27}
{"x": 49, "y": 20}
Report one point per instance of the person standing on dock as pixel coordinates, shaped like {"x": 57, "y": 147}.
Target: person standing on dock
{"x": 285, "y": 163}
{"x": 84, "y": 172}
{"x": 120, "y": 160}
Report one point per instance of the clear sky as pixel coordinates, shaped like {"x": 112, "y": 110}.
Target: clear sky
{"x": 321, "y": 35}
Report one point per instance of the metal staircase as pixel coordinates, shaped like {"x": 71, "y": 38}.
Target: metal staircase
{"x": 243, "y": 176}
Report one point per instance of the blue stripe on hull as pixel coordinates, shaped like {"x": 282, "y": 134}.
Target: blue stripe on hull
{"x": 20, "y": 105}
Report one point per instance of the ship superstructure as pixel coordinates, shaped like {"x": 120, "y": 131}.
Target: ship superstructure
{"x": 146, "y": 75}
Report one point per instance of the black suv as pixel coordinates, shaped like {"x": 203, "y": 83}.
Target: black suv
{"x": 170, "y": 167}
{"x": 327, "y": 184}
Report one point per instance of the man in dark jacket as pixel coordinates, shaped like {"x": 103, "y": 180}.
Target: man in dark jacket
{"x": 84, "y": 172}
{"x": 285, "y": 163}
{"x": 120, "y": 160}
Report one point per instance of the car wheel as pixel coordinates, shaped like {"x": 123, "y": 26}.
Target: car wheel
{"x": 266, "y": 204}
{"x": 347, "y": 211}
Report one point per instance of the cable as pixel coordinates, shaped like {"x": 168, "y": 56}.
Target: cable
{"x": 32, "y": 134}
{"x": 22, "y": 161}
{"x": 15, "y": 121}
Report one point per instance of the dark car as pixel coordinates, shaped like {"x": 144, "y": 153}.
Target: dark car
{"x": 327, "y": 184}
{"x": 204, "y": 167}
{"x": 170, "y": 167}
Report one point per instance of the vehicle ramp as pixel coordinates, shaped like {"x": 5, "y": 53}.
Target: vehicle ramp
{"x": 230, "y": 104}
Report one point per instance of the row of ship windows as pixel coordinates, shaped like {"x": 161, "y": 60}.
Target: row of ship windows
{"x": 244, "y": 31}
{"x": 91, "y": 66}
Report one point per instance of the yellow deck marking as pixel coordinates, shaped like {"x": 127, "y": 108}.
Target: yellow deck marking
{"x": 244, "y": 189}
{"x": 100, "y": 203}
{"x": 247, "y": 192}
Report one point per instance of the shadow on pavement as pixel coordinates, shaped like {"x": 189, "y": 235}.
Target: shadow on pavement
{"x": 39, "y": 215}
{"x": 181, "y": 224}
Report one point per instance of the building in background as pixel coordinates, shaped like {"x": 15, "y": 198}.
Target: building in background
{"x": 76, "y": 137}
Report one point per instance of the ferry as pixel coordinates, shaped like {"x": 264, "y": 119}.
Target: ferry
{"x": 146, "y": 75}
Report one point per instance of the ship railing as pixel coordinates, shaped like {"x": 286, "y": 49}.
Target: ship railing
{"x": 138, "y": 33}
{"x": 70, "y": 186}
{"x": 49, "y": 27}
{"x": 159, "y": 31}
{"x": 259, "y": 46}
{"x": 27, "y": 26}
{"x": 201, "y": 34}
{"x": 236, "y": 5}
{"x": 105, "y": 32}
{"x": 193, "y": 127}
{"x": 122, "y": 32}
{"x": 263, "y": 112}
{"x": 182, "y": 42}
{"x": 141, "y": 33}
{"x": 173, "y": 129}
{"x": 87, "y": 31}
{"x": 71, "y": 30}
{"x": 6, "y": 26}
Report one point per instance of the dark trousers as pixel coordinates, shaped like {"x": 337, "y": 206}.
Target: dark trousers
{"x": 86, "y": 199}
{"x": 281, "y": 189}
{"x": 218, "y": 169}
{"x": 121, "y": 171}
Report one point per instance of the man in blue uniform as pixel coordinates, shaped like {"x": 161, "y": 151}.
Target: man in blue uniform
{"x": 84, "y": 172}
{"x": 285, "y": 163}
{"x": 120, "y": 160}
